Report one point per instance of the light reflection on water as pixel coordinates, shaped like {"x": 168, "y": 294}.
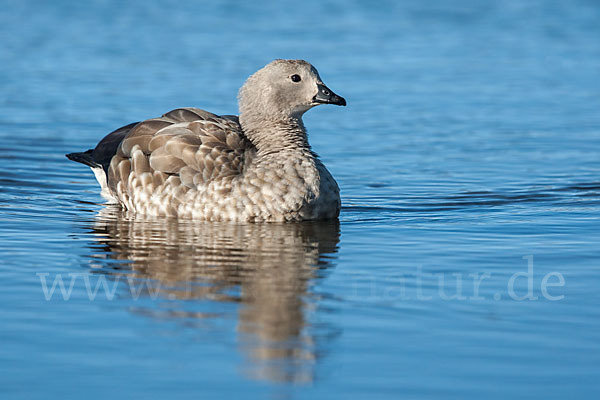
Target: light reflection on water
{"x": 266, "y": 268}
{"x": 471, "y": 140}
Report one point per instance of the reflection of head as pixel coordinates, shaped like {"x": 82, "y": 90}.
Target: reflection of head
{"x": 265, "y": 267}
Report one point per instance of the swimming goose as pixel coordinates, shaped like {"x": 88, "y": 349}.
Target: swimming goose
{"x": 259, "y": 166}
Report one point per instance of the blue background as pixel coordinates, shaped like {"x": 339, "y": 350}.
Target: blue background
{"x": 471, "y": 140}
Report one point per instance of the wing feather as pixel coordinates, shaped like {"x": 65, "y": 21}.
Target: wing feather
{"x": 189, "y": 144}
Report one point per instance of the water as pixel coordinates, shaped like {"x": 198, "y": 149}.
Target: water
{"x": 465, "y": 263}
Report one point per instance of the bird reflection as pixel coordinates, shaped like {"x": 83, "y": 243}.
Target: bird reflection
{"x": 267, "y": 268}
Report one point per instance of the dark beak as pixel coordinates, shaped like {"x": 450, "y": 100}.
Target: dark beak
{"x": 326, "y": 96}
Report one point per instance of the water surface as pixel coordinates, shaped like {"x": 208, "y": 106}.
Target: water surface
{"x": 465, "y": 262}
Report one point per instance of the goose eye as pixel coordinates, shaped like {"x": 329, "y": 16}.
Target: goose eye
{"x": 295, "y": 78}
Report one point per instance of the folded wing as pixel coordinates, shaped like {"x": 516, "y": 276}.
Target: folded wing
{"x": 188, "y": 146}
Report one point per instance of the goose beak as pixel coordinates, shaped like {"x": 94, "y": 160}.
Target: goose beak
{"x": 326, "y": 96}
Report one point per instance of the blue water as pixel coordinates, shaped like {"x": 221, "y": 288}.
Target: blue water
{"x": 466, "y": 260}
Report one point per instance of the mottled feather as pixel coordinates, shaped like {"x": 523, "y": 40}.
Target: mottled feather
{"x": 255, "y": 167}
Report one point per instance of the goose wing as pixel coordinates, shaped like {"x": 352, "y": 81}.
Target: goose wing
{"x": 194, "y": 145}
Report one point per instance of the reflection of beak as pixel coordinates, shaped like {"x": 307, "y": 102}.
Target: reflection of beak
{"x": 326, "y": 96}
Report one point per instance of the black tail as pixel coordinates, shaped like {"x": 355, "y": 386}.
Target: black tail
{"x": 104, "y": 151}
{"x": 84, "y": 158}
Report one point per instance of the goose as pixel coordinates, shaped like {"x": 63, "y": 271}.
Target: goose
{"x": 255, "y": 167}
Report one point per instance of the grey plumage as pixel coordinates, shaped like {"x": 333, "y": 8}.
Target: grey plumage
{"x": 190, "y": 163}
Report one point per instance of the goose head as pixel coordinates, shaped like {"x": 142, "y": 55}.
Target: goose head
{"x": 284, "y": 90}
